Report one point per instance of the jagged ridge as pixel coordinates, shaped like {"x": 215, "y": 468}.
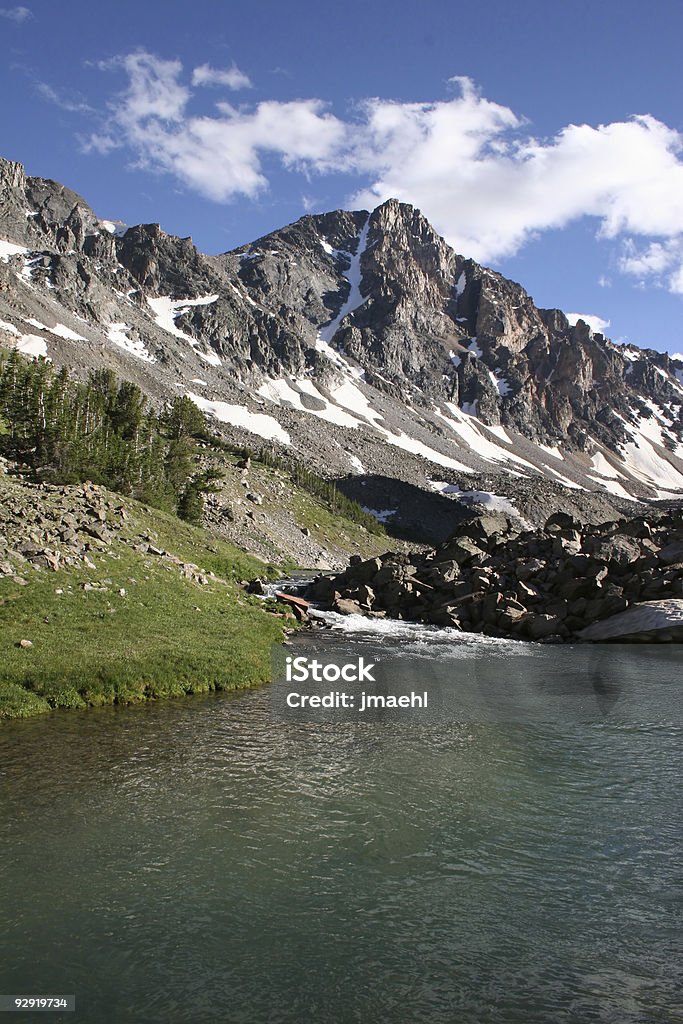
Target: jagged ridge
{"x": 412, "y": 356}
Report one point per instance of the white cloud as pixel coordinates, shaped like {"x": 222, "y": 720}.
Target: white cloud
{"x": 659, "y": 262}
{"x": 16, "y": 14}
{"x": 470, "y": 164}
{"x": 489, "y": 189}
{"x": 596, "y": 323}
{"x": 232, "y": 77}
{"x": 219, "y": 156}
{"x": 153, "y": 89}
{"x": 73, "y": 105}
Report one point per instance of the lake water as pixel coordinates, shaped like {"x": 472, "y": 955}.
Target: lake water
{"x": 200, "y": 861}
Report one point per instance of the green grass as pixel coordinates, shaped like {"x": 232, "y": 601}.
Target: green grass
{"x": 330, "y": 528}
{"x": 166, "y": 637}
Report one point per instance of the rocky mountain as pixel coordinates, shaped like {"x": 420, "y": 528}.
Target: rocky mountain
{"x": 358, "y": 342}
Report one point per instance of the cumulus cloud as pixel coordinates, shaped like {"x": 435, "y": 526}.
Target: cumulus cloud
{"x": 231, "y": 78}
{"x": 491, "y": 190}
{"x": 658, "y": 262}
{"x": 16, "y": 14}
{"x": 470, "y": 164}
{"x": 220, "y": 156}
{"x": 596, "y": 323}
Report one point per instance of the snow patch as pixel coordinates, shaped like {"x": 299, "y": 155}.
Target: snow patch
{"x": 460, "y": 284}
{"x": 461, "y": 423}
{"x": 32, "y": 345}
{"x": 9, "y": 249}
{"x": 28, "y": 268}
{"x": 604, "y": 468}
{"x": 59, "y": 330}
{"x": 280, "y": 392}
{"x": 114, "y": 227}
{"x": 332, "y": 251}
{"x": 209, "y": 357}
{"x": 501, "y": 384}
{"x": 551, "y": 451}
{"x": 357, "y": 464}
{"x": 496, "y": 502}
{"x": 10, "y": 328}
{"x": 348, "y": 406}
{"x": 613, "y": 486}
{"x": 353, "y": 275}
{"x": 239, "y": 416}
{"x": 498, "y": 431}
{"x": 166, "y": 310}
{"x": 415, "y": 447}
{"x": 564, "y": 479}
{"x": 243, "y": 295}
{"x": 117, "y": 334}
{"x": 642, "y": 460}
{"x": 473, "y": 347}
{"x": 65, "y": 332}
{"x": 382, "y": 516}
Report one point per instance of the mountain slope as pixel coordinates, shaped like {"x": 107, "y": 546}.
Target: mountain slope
{"x": 361, "y": 343}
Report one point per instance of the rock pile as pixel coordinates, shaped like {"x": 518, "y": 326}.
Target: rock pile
{"x": 52, "y": 527}
{"x": 556, "y": 583}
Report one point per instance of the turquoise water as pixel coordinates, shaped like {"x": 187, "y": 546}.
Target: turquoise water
{"x": 198, "y": 862}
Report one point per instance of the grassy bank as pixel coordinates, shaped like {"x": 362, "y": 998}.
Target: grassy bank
{"x": 133, "y": 628}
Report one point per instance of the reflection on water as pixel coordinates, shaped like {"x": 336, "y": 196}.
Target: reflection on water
{"x": 196, "y": 862}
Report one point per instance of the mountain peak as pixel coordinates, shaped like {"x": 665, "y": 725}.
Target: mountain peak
{"x": 343, "y": 331}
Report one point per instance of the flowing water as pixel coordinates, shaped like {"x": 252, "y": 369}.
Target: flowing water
{"x": 200, "y": 861}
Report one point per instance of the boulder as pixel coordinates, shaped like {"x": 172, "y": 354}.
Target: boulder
{"x": 530, "y": 568}
{"x": 558, "y": 522}
{"x": 363, "y": 571}
{"x": 540, "y": 626}
{"x": 346, "y": 607}
{"x": 647, "y": 622}
{"x": 444, "y": 572}
{"x": 671, "y": 554}
{"x": 618, "y": 549}
{"x": 461, "y": 550}
{"x": 601, "y": 607}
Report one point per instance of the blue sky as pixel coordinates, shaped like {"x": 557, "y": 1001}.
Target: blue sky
{"x": 543, "y": 138}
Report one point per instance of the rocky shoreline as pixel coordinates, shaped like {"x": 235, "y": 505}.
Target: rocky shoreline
{"x": 566, "y": 582}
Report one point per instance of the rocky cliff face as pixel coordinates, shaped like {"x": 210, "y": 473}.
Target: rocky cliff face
{"x": 457, "y": 331}
{"x": 359, "y": 341}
